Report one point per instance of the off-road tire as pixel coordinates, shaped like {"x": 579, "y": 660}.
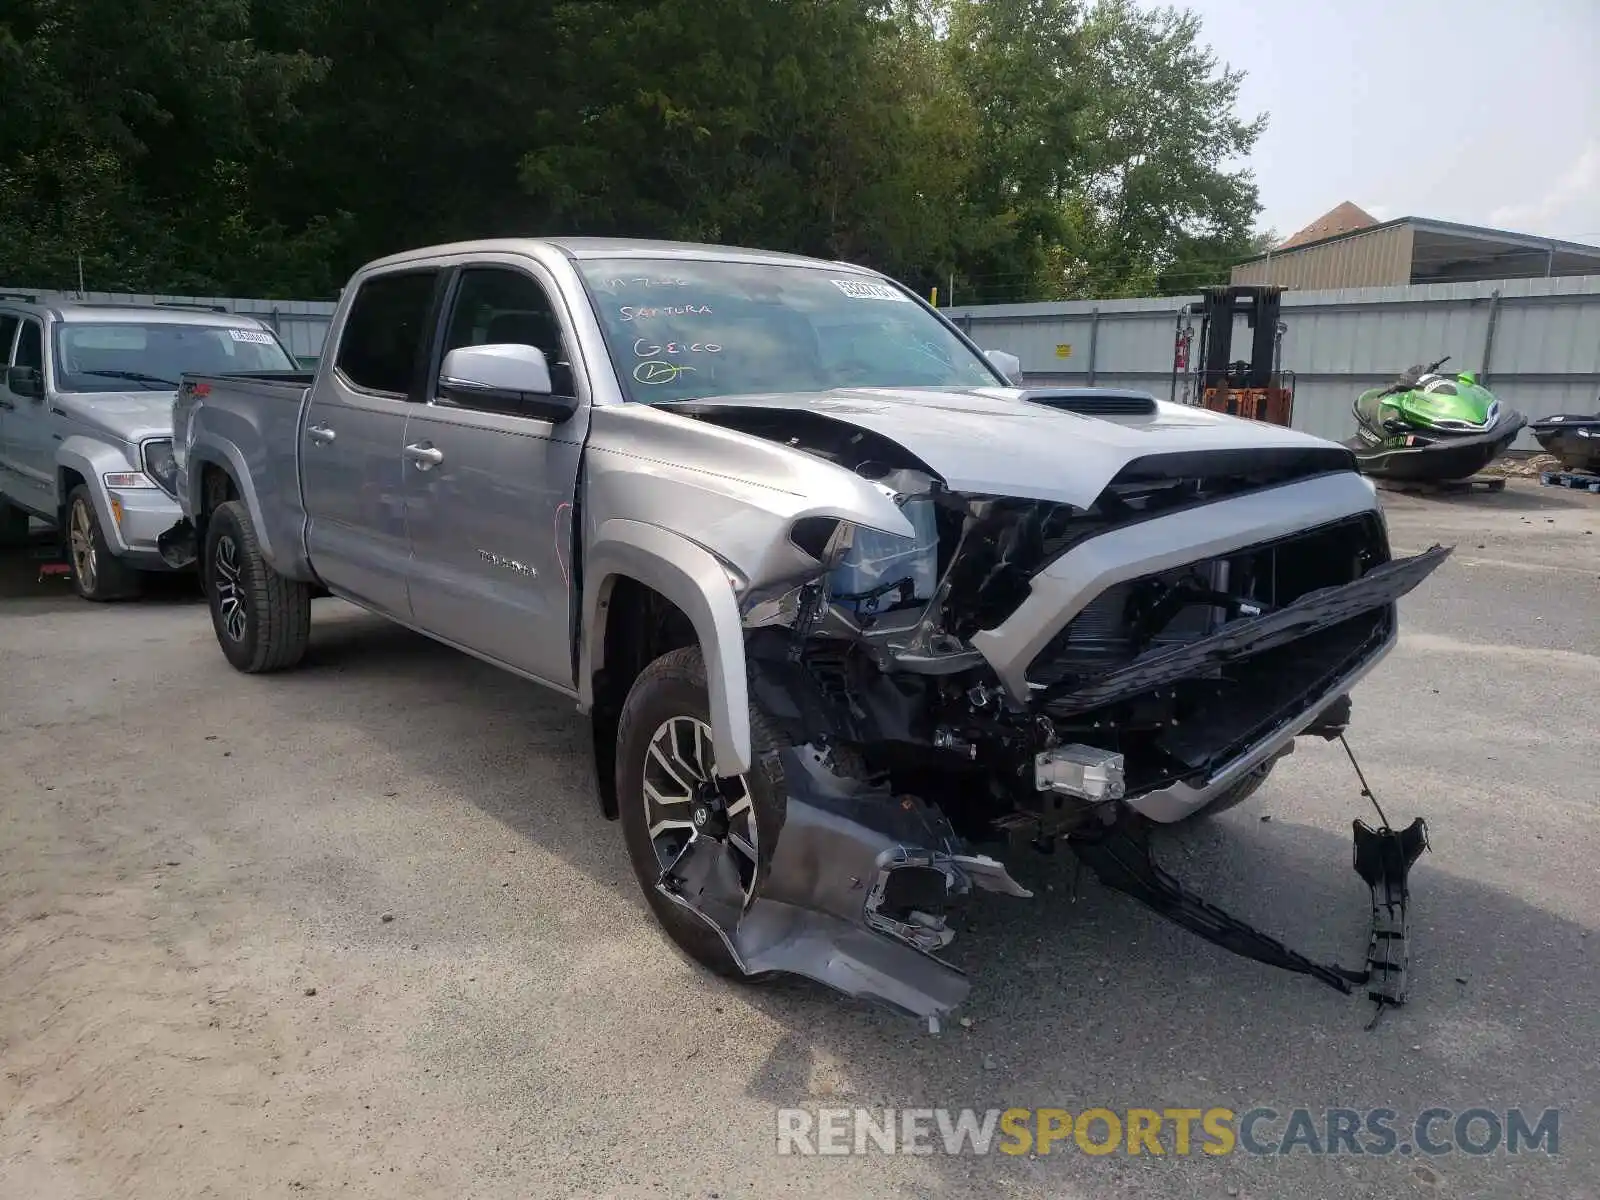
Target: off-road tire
{"x": 1236, "y": 793}
{"x": 674, "y": 685}
{"x": 276, "y": 622}
{"x": 13, "y": 526}
{"x": 103, "y": 576}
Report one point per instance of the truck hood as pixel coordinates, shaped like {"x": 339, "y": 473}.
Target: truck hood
{"x": 126, "y": 416}
{"x": 991, "y": 441}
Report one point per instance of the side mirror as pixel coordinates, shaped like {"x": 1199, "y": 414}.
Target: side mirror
{"x": 1007, "y": 364}
{"x": 504, "y": 377}
{"x": 25, "y": 381}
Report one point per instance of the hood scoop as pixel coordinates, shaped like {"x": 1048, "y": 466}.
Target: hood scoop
{"x": 1094, "y": 402}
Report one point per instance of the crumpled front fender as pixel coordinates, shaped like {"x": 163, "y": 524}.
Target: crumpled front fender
{"x": 701, "y": 586}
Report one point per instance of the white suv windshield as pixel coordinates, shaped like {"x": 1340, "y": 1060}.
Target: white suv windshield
{"x": 120, "y": 356}
{"x": 678, "y": 328}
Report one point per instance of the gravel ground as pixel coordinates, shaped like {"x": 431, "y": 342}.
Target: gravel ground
{"x": 359, "y": 930}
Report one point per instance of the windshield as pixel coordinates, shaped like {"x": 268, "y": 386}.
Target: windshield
{"x": 122, "y": 356}
{"x": 678, "y": 328}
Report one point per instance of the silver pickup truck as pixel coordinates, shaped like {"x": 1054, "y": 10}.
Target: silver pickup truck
{"x": 843, "y": 604}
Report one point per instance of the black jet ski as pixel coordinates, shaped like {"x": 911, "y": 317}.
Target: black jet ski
{"x": 1575, "y": 440}
{"x": 1427, "y": 426}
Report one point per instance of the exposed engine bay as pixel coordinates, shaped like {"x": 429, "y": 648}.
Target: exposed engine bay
{"x": 1039, "y": 673}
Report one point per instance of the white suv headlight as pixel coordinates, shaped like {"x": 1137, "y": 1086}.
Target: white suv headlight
{"x": 160, "y": 465}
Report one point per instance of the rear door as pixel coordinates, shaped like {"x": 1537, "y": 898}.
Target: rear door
{"x": 350, "y": 449}
{"x": 489, "y": 490}
{"x": 29, "y": 433}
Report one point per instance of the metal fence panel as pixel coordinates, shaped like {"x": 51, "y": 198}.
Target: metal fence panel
{"x": 1536, "y": 340}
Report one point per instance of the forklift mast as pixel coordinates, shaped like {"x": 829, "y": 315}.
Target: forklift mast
{"x": 1256, "y": 388}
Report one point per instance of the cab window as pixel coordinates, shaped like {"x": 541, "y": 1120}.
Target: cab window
{"x": 30, "y": 346}
{"x": 498, "y": 305}
{"x": 381, "y": 345}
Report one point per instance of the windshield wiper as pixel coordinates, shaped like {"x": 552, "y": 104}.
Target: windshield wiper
{"x": 136, "y": 376}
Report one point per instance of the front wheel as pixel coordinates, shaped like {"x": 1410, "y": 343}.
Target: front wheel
{"x": 262, "y": 619}
{"x": 667, "y": 796}
{"x": 97, "y": 573}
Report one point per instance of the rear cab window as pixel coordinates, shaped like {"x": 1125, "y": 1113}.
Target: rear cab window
{"x": 382, "y": 346}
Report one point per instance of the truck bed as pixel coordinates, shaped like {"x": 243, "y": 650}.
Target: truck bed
{"x": 249, "y": 421}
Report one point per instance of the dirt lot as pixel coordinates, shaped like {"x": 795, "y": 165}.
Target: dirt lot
{"x": 201, "y": 993}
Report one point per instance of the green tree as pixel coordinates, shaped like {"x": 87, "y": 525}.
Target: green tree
{"x": 1110, "y": 146}
{"x": 1171, "y": 202}
{"x": 130, "y": 138}
{"x": 1026, "y": 148}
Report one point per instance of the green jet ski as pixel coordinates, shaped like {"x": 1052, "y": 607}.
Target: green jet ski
{"x": 1428, "y": 426}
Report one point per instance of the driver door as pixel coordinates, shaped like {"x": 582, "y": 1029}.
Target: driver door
{"x": 489, "y": 489}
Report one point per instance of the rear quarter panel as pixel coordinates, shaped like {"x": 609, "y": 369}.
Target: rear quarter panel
{"x": 250, "y": 429}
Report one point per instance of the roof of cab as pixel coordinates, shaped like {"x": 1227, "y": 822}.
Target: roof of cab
{"x": 581, "y": 248}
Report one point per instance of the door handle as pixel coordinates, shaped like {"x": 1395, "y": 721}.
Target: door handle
{"x": 320, "y": 434}
{"x": 7, "y": 404}
{"x": 424, "y": 456}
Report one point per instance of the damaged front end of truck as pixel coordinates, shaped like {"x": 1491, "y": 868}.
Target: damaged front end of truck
{"x": 1022, "y": 674}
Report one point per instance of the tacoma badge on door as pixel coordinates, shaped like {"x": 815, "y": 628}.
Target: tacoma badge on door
{"x": 509, "y": 564}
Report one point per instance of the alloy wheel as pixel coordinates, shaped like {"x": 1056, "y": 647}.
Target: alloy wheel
{"x": 80, "y": 535}
{"x": 230, "y": 592}
{"x": 684, "y": 801}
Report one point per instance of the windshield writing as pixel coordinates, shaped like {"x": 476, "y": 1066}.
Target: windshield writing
{"x": 678, "y": 329}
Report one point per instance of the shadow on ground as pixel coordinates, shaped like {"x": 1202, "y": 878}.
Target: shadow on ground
{"x": 23, "y": 581}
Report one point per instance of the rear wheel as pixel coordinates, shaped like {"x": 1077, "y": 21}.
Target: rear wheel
{"x": 667, "y": 796}
{"x": 97, "y": 573}
{"x": 262, "y": 620}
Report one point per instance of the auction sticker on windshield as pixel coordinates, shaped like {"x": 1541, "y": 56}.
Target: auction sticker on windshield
{"x": 254, "y": 336}
{"x": 862, "y": 289}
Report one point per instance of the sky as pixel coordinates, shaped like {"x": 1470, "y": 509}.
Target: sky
{"x": 1485, "y": 112}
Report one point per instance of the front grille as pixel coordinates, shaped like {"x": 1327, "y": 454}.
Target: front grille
{"x": 1185, "y": 604}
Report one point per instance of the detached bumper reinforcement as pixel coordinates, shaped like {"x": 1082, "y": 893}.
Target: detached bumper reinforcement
{"x": 1383, "y": 858}
{"x": 1120, "y": 856}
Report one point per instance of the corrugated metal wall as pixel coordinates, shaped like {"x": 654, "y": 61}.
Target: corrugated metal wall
{"x": 1537, "y": 341}
{"x": 1381, "y": 258}
{"x": 301, "y": 324}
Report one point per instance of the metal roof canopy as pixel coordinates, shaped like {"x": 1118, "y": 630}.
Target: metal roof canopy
{"x": 1445, "y": 252}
